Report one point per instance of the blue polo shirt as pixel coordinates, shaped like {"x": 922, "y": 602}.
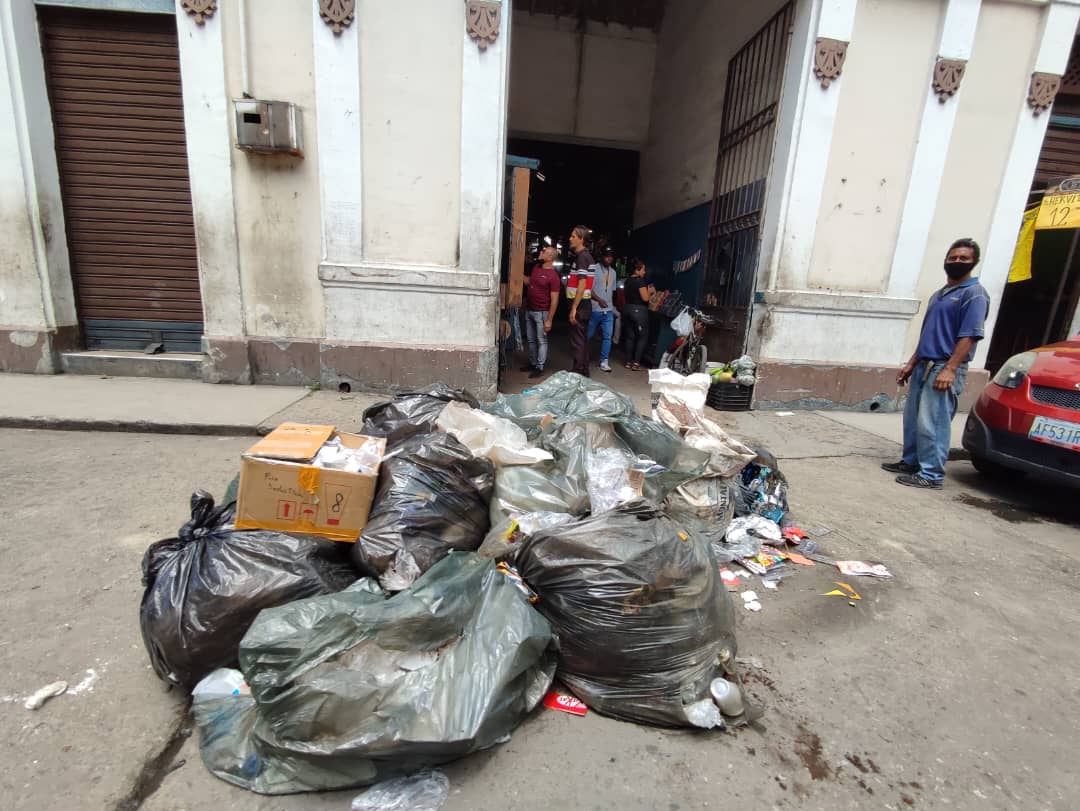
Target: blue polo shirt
{"x": 953, "y": 313}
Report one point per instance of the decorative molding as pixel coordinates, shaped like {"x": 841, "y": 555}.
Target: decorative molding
{"x": 338, "y": 14}
{"x": 829, "y": 56}
{"x": 482, "y": 20}
{"x": 443, "y": 279}
{"x": 948, "y": 74}
{"x": 201, "y": 10}
{"x": 1044, "y": 86}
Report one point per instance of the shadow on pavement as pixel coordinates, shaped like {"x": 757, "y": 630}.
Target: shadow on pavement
{"x": 1016, "y": 498}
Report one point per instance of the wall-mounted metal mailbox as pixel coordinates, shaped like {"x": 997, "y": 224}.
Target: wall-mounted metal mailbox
{"x": 269, "y": 126}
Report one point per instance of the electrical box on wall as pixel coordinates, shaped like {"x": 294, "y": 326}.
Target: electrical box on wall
{"x": 271, "y": 127}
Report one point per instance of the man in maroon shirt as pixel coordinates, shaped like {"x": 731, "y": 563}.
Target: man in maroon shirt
{"x": 541, "y": 301}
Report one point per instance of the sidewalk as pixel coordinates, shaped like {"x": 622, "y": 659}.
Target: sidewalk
{"x": 152, "y": 405}
{"x": 149, "y": 405}
{"x": 891, "y": 425}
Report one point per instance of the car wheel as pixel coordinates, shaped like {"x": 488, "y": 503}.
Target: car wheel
{"x": 988, "y": 468}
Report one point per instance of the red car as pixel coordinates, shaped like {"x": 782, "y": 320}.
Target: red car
{"x": 1028, "y": 417}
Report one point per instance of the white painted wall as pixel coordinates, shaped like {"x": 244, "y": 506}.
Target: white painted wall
{"x": 29, "y": 171}
{"x": 593, "y": 85}
{"x": 994, "y": 88}
{"x": 278, "y": 218}
{"x": 697, "y": 40}
{"x": 410, "y": 86}
{"x": 888, "y": 68}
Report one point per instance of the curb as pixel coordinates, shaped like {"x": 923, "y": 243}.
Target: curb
{"x": 130, "y": 426}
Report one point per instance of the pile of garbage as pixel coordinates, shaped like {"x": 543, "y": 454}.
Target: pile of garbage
{"x": 555, "y": 533}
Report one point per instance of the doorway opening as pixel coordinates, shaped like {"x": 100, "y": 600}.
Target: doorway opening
{"x": 652, "y": 123}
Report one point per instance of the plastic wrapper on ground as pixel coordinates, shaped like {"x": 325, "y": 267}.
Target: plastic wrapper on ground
{"x": 413, "y": 413}
{"x": 491, "y": 437}
{"x": 432, "y": 497}
{"x": 350, "y": 689}
{"x": 204, "y": 587}
{"x": 643, "y": 619}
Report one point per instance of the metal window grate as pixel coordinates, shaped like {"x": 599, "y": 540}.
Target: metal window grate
{"x": 1062, "y": 398}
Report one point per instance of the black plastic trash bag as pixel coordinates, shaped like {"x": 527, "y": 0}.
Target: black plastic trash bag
{"x": 432, "y": 497}
{"x": 413, "y": 413}
{"x": 206, "y": 586}
{"x": 644, "y": 621}
{"x": 351, "y": 688}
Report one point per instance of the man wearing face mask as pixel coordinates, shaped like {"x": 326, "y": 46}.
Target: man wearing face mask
{"x": 953, "y": 324}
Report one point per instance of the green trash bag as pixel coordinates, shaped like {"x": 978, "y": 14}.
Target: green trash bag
{"x": 351, "y": 688}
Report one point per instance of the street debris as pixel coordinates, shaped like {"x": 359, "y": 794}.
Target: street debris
{"x": 858, "y": 568}
{"x": 564, "y": 703}
{"x": 423, "y": 791}
{"x": 36, "y": 699}
{"x": 844, "y": 591}
{"x": 552, "y": 533}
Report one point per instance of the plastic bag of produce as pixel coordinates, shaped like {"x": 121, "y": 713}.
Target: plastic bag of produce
{"x": 644, "y": 622}
{"x": 204, "y": 587}
{"x": 413, "y": 413}
{"x": 432, "y": 497}
{"x": 350, "y": 689}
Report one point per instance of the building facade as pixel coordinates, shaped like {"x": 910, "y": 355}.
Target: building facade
{"x": 802, "y": 168}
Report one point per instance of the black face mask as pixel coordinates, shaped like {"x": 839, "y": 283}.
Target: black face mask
{"x": 958, "y": 270}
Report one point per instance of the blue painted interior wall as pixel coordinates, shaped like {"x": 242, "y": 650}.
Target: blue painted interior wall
{"x": 668, "y": 241}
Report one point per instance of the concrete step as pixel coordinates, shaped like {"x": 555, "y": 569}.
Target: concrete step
{"x": 120, "y": 363}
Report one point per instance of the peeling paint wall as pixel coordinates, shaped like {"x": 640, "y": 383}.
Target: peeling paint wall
{"x": 885, "y": 76}
{"x": 277, "y": 197}
{"x": 410, "y": 90}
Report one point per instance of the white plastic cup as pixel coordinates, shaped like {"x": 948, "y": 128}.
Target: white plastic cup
{"x": 727, "y": 697}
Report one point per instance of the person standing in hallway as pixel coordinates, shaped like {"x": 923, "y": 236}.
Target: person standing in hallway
{"x": 541, "y": 301}
{"x": 954, "y": 322}
{"x": 579, "y": 291}
{"x": 636, "y": 315}
{"x": 603, "y": 306}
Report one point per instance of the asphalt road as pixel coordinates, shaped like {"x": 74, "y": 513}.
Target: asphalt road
{"x": 951, "y": 686}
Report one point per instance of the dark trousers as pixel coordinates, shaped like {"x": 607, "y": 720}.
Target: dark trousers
{"x": 579, "y": 342}
{"x": 637, "y": 331}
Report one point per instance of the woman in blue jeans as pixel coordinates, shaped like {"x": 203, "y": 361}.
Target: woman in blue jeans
{"x": 637, "y": 315}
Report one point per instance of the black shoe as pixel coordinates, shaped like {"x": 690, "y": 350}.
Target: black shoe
{"x": 915, "y": 480}
{"x": 899, "y": 467}
{"x": 535, "y": 373}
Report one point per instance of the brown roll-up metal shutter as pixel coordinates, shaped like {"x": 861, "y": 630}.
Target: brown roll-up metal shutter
{"x": 1060, "y": 155}
{"x": 114, "y": 88}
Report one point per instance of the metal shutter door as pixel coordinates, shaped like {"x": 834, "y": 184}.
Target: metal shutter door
{"x": 114, "y": 87}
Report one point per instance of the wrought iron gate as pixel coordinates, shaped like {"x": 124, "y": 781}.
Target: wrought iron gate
{"x": 755, "y": 80}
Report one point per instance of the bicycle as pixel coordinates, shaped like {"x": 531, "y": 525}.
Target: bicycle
{"x": 687, "y": 354}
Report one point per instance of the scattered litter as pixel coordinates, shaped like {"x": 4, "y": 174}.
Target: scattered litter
{"x": 564, "y": 703}
{"x": 845, "y": 591}
{"x": 793, "y": 535}
{"x": 39, "y": 697}
{"x": 859, "y": 568}
{"x": 423, "y": 791}
{"x": 785, "y": 413}
{"x": 763, "y": 562}
{"x": 727, "y": 697}
{"x": 750, "y": 601}
{"x": 770, "y": 584}
{"x": 795, "y": 557}
{"x": 86, "y": 685}
{"x": 730, "y": 578}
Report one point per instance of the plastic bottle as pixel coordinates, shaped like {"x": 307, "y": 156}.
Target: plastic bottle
{"x": 727, "y": 697}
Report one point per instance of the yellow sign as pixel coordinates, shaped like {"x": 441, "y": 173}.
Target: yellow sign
{"x": 1061, "y": 206}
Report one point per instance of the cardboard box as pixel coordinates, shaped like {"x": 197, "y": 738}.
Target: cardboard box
{"x": 280, "y": 490}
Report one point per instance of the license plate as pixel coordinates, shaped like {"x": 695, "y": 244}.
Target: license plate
{"x": 1056, "y": 432}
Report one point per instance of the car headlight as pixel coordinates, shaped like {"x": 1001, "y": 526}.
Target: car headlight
{"x": 1014, "y": 371}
